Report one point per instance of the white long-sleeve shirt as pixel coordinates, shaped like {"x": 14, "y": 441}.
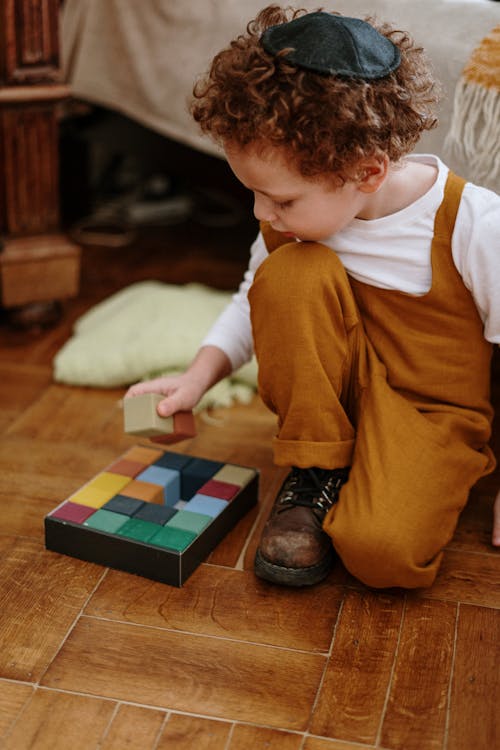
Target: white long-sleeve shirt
{"x": 394, "y": 252}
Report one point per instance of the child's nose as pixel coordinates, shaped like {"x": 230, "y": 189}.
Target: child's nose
{"x": 263, "y": 209}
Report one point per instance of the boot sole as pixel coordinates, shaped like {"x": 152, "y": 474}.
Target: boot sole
{"x": 291, "y": 576}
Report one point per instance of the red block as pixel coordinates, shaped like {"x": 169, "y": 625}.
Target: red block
{"x": 184, "y": 427}
{"x": 73, "y": 512}
{"x": 127, "y": 468}
{"x": 222, "y": 490}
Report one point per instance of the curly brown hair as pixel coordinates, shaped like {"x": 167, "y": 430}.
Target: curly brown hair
{"x": 327, "y": 123}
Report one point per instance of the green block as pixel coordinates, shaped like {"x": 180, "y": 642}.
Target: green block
{"x": 105, "y": 520}
{"x": 172, "y": 538}
{"x": 187, "y": 521}
{"x": 141, "y": 531}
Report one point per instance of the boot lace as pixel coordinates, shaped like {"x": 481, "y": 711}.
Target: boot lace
{"x": 313, "y": 488}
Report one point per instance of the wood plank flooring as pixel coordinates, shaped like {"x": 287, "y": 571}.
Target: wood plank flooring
{"x": 92, "y": 658}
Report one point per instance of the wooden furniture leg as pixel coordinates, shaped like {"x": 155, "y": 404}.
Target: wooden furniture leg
{"x": 38, "y": 263}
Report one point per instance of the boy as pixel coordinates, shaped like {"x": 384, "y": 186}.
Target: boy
{"x": 371, "y": 297}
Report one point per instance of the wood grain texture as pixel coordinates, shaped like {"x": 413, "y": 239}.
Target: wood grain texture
{"x": 415, "y": 717}
{"x": 475, "y": 695}
{"x": 189, "y": 732}
{"x": 134, "y": 728}
{"x": 41, "y": 595}
{"x": 13, "y": 696}
{"x": 204, "y": 675}
{"x": 468, "y": 577}
{"x": 225, "y": 603}
{"x": 359, "y": 669}
{"x": 263, "y": 738}
{"x": 58, "y": 721}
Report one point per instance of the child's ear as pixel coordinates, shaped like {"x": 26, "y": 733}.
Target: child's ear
{"x": 372, "y": 174}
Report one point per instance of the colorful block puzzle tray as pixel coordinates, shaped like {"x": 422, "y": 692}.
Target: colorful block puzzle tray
{"x": 152, "y": 512}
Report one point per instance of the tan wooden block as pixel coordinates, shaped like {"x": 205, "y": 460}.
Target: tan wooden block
{"x": 140, "y": 417}
{"x": 234, "y": 475}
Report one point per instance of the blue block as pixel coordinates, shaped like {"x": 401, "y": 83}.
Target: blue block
{"x": 208, "y": 506}
{"x": 169, "y": 479}
{"x": 195, "y": 474}
{"x": 128, "y": 506}
{"x": 159, "y": 514}
{"x": 171, "y": 460}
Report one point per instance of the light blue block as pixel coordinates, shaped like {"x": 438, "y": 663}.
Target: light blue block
{"x": 208, "y": 506}
{"x": 169, "y": 479}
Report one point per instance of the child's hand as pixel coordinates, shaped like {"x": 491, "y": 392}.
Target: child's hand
{"x": 495, "y": 537}
{"x": 182, "y": 392}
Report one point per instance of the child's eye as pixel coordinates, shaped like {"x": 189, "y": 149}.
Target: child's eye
{"x": 284, "y": 205}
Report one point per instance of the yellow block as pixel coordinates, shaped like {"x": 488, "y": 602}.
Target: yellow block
{"x": 100, "y": 489}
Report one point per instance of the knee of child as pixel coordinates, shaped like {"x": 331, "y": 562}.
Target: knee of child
{"x": 304, "y": 265}
{"x": 381, "y": 558}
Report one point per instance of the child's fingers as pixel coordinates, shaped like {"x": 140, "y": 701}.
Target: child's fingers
{"x": 178, "y": 401}
{"x": 495, "y": 537}
{"x": 149, "y": 386}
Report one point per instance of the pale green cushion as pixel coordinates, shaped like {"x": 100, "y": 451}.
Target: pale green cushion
{"x": 145, "y": 330}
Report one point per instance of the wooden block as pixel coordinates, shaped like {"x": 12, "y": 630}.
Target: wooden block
{"x": 132, "y": 534}
{"x": 127, "y": 506}
{"x": 141, "y": 418}
{"x": 127, "y": 467}
{"x": 231, "y": 474}
{"x": 168, "y": 479}
{"x": 143, "y": 455}
{"x": 150, "y": 493}
{"x": 184, "y": 428}
{"x": 222, "y": 490}
{"x": 195, "y": 474}
{"x": 100, "y": 489}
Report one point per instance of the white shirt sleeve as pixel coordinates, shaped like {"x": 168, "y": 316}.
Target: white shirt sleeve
{"x": 476, "y": 253}
{"x": 232, "y": 331}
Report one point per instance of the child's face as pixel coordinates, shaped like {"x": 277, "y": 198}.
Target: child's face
{"x": 305, "y": 208}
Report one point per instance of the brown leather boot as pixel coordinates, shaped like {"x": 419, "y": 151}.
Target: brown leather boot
{"x": 294, "y": 550}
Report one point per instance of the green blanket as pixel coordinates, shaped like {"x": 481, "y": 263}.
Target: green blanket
{"x": 145, "y": 330}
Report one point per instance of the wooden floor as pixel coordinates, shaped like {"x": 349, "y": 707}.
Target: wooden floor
{"x": 94, "y": 658}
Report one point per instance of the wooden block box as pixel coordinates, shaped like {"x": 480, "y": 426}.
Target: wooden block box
{"x": 108, "y": 522}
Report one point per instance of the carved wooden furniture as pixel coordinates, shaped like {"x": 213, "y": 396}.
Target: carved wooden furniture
{"x": 37, "y": 262}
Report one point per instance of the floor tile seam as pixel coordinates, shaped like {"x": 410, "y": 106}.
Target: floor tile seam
{"x": 161, "y": 729}
{"x": 450, "y": 682}
{"x": 70, "y": 629}
{"x": 378, "y": 736}
{"x": 305, "y": 652}
{"x": 107, "y": 729}
{"x": 429, "y": 597}
{"x": 325, "y": 668}
{"x": 170, "y": 712}
{"x": 354, "y": 743}
{"x": 22, "y": 711}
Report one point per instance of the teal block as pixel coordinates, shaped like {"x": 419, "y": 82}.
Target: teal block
{"x": 189, "y": 521}
{"x": 174, "y": 539}
{"x": 106, "y": 520}
{"x": 141, "y": 531}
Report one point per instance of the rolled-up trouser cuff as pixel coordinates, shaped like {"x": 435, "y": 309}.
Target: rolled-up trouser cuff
{"x": 304, "y": 454}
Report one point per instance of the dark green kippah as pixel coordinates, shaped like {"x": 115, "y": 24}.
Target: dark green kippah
{"x": 333, "y": 45}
